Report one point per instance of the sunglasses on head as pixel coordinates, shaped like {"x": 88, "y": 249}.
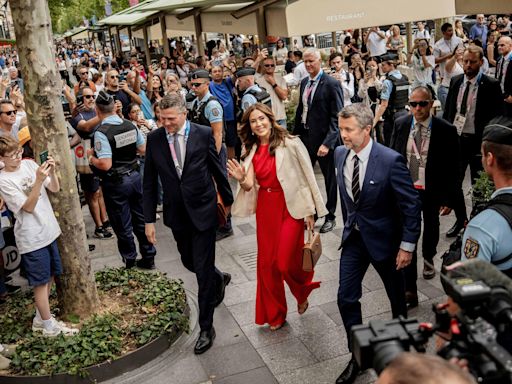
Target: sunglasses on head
{"x": 9, "y": 113}
{"x": 422, "y": 104}
{"x": 269, "y": 65}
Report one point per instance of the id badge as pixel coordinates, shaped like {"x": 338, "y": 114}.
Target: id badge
{"x": 420, "y": 183}
{"x": 459, "y": 122}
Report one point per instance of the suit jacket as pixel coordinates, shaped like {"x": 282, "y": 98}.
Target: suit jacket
{"x": 193, "y": 198}
{"x": 507, "y": 85}
{"x": 322, "y": 118}
{"x": 296, "y": 176}
{"x": 441, "y": 172}
{"x": 389, "y": 208}
{"x": 489, "y": 101}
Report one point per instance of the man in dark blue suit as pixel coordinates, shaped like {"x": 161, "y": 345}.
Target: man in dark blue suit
{"x": 316, "y": 122}
{"x": 183, "y": 154}
{"x": 381, "y": 211}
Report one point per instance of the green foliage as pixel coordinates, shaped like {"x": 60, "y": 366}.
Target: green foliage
{"x": 483, "y": 188}
{"x": 155, "y": 305}
{"x": 67, "y": 14}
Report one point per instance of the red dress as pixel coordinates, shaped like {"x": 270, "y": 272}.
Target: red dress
{"x": 280, "y": 238}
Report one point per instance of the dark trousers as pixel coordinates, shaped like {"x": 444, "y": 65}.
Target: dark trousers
{"x": 389, "y": 123}
{"x": 123, "y": 201}
{"x": 354, "y": 262}
{"x": 223, "y": 154}
{"x": 329, "y": 172}
{"x": 469, "y": 155}
{"x": 430, "y": 240}
{"x": 197, "y": 251}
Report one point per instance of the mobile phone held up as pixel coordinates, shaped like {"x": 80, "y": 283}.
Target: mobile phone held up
{"x": 43, "y": 156}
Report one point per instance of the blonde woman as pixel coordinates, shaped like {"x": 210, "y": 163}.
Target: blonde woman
{"x": 278, "y": 184}
{"x": 173, "y": 84}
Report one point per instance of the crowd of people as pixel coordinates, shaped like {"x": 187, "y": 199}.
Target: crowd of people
{"x": 165, "y": 138}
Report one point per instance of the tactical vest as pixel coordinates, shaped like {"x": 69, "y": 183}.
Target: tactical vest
{"x": 123, "y": 142}
{"x": 399, "y": 95}
{"x": 261, "y": 96}
{"x": 197, "y": 112}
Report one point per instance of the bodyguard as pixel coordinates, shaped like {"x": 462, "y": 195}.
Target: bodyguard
{"x": 114, "y": 159}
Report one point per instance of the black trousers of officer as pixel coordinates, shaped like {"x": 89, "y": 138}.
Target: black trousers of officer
{"x": 197, "y": 251}
{"x": 329, "y": 172}
{"x": 389, "y": 124}
{"x": 354, "y": 262}
{"x": 430, "y": 211}
{"x": 469, "y": 155}
{"x": 123, "y": 201}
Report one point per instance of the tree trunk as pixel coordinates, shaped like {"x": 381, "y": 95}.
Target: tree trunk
{"x": 43, "y": 87}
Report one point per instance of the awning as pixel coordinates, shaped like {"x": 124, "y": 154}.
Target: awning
{"x": 165, "y": 5}
{"x": 127, "y": 18}
{"x": 472, "y": 7}
{"x": 304, "y": 17}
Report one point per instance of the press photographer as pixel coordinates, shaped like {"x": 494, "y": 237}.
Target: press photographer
{"x": 476, "y": 323}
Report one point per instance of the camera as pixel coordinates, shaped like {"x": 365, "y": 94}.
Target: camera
{"x": 481, "y": 331}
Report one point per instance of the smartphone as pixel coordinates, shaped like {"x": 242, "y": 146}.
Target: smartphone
{"x": 154, "y": 61}
{"x": 43, "y": 156}
{"x": 122, "y": 77}
{"x": 79, "y": 99}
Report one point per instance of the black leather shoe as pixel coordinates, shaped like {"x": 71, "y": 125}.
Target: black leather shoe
{"x": 222, "y": 289}
{"x": 146, "y": 263}
{"x": 328, "y": 226}
{"x": 455, "y": 229}
{"x": 411, "y": 300}
{"x": 205, "y": 341}
{"x": 349, "y": 374}
{"x": 129, "y": 263}
{"x": 222, "y": 234}
{"x": 428, "y": 271}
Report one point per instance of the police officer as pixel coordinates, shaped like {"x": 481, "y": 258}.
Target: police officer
{"x": 251, "y": 93}
{"x": 488, "y": 235}
{"x": 114, "y": 159}
{"x": 207, "y": 110}
{"x": 394, "y": 96}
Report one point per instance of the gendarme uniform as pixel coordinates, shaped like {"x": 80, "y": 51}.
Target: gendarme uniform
{"x": 118, "y": 139}
{"x": 395, "y": 89}
{"x": 254, "y": 94}
{"x": 488, "y": 235}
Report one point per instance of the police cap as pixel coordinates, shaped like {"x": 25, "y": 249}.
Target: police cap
{"x": 240, "y": 72}
{"x": 499, "y": 131}
{"x": 104, "y": 98}
{"x": 199, "y": 74}
{"x": 389, "y": 57}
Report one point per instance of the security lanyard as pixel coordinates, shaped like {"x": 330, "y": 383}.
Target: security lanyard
{"x": 173, "y": 151}
{"x": 417, "y": 153}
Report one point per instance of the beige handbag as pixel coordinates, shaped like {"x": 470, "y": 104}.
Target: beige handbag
{"x": 311, "y": 251}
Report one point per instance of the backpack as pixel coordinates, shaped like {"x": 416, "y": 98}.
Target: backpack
{"x": 501, "y": 204}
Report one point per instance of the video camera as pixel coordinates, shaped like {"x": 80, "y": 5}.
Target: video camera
{"x": 481, "y": 331}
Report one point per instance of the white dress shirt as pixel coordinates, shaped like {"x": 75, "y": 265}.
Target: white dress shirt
{"x": 181, "y": 140}
{"x": 348, "y": 168}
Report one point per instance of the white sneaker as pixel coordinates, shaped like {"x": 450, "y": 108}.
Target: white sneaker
{"x": 159, "y": 208}
{"x": 157, "y": 216}
{"x": 58, "y": 327}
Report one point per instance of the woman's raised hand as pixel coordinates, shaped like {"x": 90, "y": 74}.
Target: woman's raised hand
{"x": 236, "y": 170}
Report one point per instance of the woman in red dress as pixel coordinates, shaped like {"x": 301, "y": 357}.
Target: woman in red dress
{"x": 278, "y": 184}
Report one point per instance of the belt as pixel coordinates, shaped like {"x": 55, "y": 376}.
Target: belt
{"x": 271, "y": 189}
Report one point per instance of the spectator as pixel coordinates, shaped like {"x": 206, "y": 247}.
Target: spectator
{"x": 376, "y": 42}
{"x": 459, "y": 30}
{"x": 504, "y": 73}
{"x": 421, "y": 32}
{"x": 370, "y": 85}
{"x": 8, "y": 119}
{"x": 395, "y": 42}
{"x": 174, "y": 85}
{"x": 299, "y": 72}
{"x": 274, "y": 84}
{"x": 345, "y": 78}
{"x": 84, "y": 80}
{"x": 120, "y": 90}
{"x": 23, "y": 186}
{"x": 15, "y": 79}
{"x": 479, "y": 30}
{"x": 280, "y": 52}
{"x": 290, "y": 63}
{"x": 445, "y": 49}
{"x": 422, "y": 61}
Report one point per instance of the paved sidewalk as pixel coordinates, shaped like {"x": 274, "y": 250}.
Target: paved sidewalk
{"x": 309, "y": 349}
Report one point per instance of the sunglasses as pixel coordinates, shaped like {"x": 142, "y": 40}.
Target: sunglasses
{"x": 89, "y": 96}
{"x": 269, "y": 65}
{"x": 9, "y": 113}
{"x": 115, "y": 77}
{"x": 194, "y": 85}
{"x": 422, "y": 104}
{"x": 84, "y": 73}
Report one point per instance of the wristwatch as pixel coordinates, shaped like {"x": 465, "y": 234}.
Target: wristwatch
{"x": 274, "y": 85}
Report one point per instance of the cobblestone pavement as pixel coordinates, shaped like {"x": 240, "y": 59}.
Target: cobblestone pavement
{"x": 309, "y": 349}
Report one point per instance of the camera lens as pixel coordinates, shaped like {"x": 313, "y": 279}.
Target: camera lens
{"x": 384, "y": 353}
